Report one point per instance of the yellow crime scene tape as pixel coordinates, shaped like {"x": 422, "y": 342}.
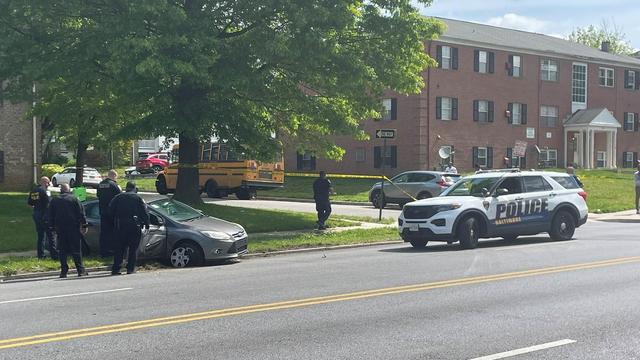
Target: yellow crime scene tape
{"x": 349, "y": 176}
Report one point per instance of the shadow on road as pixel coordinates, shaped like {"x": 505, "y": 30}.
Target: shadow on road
{"x": 490, "y": 243}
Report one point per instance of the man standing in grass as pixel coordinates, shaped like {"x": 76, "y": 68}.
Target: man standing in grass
{"x": 321, "y": 190}
{"x": 637, "y": 177}
{"x": 39, "y": 201}
{"x": 107, "y": 190}
{"x": 66, "y": 216}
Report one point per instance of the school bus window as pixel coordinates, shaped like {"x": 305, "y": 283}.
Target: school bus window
{"x": 206, "y": 153}
{"x": 215, "y": 153}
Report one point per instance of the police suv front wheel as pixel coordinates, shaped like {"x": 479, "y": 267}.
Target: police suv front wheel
{"x": 468, "y": 233}
{"x": 563, "y": 226}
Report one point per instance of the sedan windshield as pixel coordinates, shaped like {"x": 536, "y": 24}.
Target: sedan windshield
{"x": 175, "y": 210}
{"x": 471, "y": 187}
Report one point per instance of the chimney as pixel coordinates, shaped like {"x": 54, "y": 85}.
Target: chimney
{"x": 605, "y": 46}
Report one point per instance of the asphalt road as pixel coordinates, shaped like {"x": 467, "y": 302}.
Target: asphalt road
{"x": 576, "y": 299}
{"x": 366, "y": 209}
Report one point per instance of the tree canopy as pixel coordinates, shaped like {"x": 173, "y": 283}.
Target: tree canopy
{"x": 594, "y": 36}
{"x": 251, "y": 72}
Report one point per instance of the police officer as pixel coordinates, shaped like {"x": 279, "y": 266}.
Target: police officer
{"x": 66, "y": 216}
{"x": 39, "y": 201}
{"x": 107, "y": 190}
{"x": 322, "y": 188}
{"x": 129, "y": 213}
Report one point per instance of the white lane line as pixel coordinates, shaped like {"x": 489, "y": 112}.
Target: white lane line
{"x": 63, "y": 296}
{"x": 534, "y": 245}
{"x": 526, "y": 350}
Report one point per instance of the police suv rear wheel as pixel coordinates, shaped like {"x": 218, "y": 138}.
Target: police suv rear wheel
{"x": 468, "y": 233}
{"x": 563, "y": 226}
{"x": 186, "y": 254}
{"x": 418, "y": 243}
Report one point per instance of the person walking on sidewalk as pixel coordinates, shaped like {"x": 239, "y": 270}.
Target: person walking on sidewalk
{"x": 66, "y": 216}
{"x": 129, "y": 213}
{"x": 321, "y": 190}
{"x": 637, "y": 177}
{"x": 39, "y": 201}
{"x": 107, "y": 190}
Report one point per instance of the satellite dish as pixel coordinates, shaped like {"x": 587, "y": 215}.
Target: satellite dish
{"x": 444, "y": 153}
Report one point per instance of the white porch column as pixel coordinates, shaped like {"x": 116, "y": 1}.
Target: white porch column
{"x": 615, "y": 148}
{"x": 566, "y": 163}
{"x": 609, "y": 152}
{"x": 585, "y": 163}
{"x": 592, "y": 145}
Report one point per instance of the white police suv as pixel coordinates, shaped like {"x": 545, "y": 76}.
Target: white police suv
{"x": 497, "y": 203}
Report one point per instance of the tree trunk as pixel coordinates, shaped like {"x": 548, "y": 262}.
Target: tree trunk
{"x": 81, "y": 155}
{"x": 188, "y": 188}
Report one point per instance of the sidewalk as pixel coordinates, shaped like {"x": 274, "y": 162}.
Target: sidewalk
{"x": 627, "y": 216}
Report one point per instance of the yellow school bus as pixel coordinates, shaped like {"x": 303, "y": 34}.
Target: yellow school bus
{"x": 223, "y": 172}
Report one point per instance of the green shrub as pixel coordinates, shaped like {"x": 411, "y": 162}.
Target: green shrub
{"x": 49, "y": 169}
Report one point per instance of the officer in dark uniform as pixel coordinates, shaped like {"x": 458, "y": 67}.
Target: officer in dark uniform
{"x": 107, "y": 190}
{"x": 39, "y": 201}
{"x": 66, "y": 216}
{"x": 129, "y": 213}
{"x": 321, "y": 190}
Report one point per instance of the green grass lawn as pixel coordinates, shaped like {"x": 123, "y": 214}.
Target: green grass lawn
{"x": 300, "y": 187}
{"x": 17, "y": 231}
{"x": 608, "y": 191}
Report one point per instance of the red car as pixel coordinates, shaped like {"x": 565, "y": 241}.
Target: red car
{"x": 153, "y": 163}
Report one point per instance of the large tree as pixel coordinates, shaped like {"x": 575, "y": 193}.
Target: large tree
{"x": 594, "y": 36}
{"x": 250, "y": 72}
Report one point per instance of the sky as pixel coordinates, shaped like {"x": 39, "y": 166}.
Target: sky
{"x": 552, "y": 17}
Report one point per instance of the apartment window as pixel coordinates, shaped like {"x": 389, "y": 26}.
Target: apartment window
{"x": 579, "y": 85}
{"x": 631, "y": 79}
{"x": 606, "y": 77}
{"x": 446, "y": 108}
{"x": 601, "y": 159}
{"x": 360, "y": 154}
{"x": 389, "y": 109}
{"x": 449, "y": 150}
{"x": 549, "y": 157}
{"x": 447, "y": 57}
{"x": 518, "y": 114}
{"x": 548, "y": 116}
{"x": 629, "y": 159}
{"x": 630, "y": 121}
{"x": 483, "y": 111}
{"x": 517, "y": 161}
{"x": 390, "y": 158}
{"x": 483, "y": 157}
{"x": 1, "y": 166}
{"x": 483, "y": 62}
{"x": 514, "y": 66}
{"x": 549, "y": 70}
{"x": 306, "y": 161}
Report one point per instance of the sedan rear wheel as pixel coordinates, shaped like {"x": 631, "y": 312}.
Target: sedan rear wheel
{"x": 186, "y": 254}
{"x": 376, "y": 199}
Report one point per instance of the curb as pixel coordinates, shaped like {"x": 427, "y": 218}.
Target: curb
{"x": 44, "y": 274}
{"x": 624, "y": 221}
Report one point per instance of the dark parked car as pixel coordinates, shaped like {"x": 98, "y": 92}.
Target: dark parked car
{"x": 178, "y": 233}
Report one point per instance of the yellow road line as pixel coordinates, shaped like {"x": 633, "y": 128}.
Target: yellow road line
{"x": 171, "y": 320}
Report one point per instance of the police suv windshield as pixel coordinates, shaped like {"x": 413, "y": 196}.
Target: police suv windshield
{"x": 472, "y": 187}
{"x": 175, "y": 210}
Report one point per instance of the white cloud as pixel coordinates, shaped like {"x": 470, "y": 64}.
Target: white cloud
{"x": 519, "y": 22}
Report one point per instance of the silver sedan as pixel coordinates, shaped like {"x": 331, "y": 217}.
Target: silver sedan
{"x": 416, "y": 184}
{"x": 178, "y": 233}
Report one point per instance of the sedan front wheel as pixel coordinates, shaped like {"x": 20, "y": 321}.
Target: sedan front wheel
{"x": 186, "y": 254}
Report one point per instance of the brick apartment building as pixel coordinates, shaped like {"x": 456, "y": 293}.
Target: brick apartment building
{"x": 564, "y": 103}
{"x": 16, "y": 148}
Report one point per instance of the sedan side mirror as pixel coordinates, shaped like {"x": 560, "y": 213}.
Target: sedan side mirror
{"x": 156, "y": 220}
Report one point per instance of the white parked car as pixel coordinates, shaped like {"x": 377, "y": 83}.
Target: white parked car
{"x": 506, "y": 204}
{"x": 91, "y": 177}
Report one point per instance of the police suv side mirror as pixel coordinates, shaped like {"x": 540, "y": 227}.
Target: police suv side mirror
{"x": 500, "y": 192}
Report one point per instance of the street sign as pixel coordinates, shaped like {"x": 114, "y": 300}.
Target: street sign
{"x": 386, "y": 134}
{"x": 520, "y": 149}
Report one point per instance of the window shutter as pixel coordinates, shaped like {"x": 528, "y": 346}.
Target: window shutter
{"x": 454, "y": 108}
{"x": 476, "y": 115}
{"x": 637, "y": 80}
{"x": 394, "y": 157}
{"x": 454, "y": 58}
{"x": 635, "y": 159}
{"x": 439, "y": 55}
{"x": 313, "y": 163}
{"x": 299, "y": 161}
{"x": 523, "y": 114}
{"x": 624, "y": 159}
{"x": 490, "y": 60}
{"x": 439, "y": 107}
{"x": 474, "y": 158}
{"x": 490, "y": 114}
{"x": 626, "y": 79}
{"x": 510, "y": 66}
{"x": 523, "y": 162}
{"x": 510, "y": 117}
{"x": 476, "y": 60}
{"x": 636, "y": 126}
{"x": 394, "y": 109}
{"x": 510, "y": 156}
{"x": 377, "y": 157}
{"x": 624, "y": 121}
{"x": 490, "y": 157}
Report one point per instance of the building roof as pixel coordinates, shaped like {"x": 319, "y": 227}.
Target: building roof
{"x": 592, "y": 117}
{"x": 517, "y": 39}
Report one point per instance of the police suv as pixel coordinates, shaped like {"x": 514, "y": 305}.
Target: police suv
{"x": 497, "y": 203}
